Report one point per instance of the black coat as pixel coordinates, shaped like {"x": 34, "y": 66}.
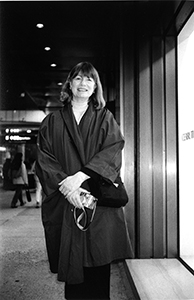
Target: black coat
{"x": 64, "y": 148}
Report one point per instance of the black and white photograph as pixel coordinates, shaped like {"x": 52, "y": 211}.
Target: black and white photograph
{"x": 96, "y": 150}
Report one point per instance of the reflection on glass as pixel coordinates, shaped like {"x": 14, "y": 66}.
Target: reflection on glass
{"x": 186, "y": 140}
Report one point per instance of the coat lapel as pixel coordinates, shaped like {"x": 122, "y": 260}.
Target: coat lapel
{"x": 74, "y": 132}
{"x": 85, "y": 125}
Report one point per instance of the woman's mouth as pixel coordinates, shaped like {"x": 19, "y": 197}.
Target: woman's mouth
{"x": 82, "y": 90}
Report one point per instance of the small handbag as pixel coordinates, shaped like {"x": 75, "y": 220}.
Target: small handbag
{"x": 28, "y": 196}
{"x": 112, "y": 194}
{"x": 108, "y": 194}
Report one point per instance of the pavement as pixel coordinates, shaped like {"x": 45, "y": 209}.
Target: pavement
{"x": 24, "y": 270}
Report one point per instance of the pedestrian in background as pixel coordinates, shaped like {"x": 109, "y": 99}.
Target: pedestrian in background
{"x": 7, "y": 181}
{"x": 37, "y": 186}
{"x": 19, "y": 177}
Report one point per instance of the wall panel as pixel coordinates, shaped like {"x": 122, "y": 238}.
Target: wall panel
{"x": 149, "y": 122}
{"x": 144, "y": 191}
{"x": 128, "y": 129}
{"x": 149, "y": 126}
{"x": 158, "y": 147}
{"x": 171, "y": 146}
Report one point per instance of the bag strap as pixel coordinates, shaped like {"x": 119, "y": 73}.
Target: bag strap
{"x": 84, "y": 216}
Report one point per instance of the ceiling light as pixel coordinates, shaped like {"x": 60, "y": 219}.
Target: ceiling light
{"x": 2, "y": 149}
{"x": 59, "y": 83}
{"x": 53, "y": 65}
{"x": 47, "y": 48}
{"x": 39, "y": 25}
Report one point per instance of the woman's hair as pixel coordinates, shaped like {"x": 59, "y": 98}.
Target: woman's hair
{"x": 17, "y": 161}
{"x": 86, "y": 69}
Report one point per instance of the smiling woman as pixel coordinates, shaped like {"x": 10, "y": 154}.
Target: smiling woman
{"x": 83, "y": 82}
{"x": 77, "y": 147}
{"x": 82, "y": 87}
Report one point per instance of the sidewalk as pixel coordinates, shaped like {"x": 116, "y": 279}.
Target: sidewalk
{"x": 24, "y": 271}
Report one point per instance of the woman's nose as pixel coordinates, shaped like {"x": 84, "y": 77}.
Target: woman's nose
{"x": 83, "y": 81}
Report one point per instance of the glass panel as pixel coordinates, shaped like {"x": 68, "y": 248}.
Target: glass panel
{"x": 186, "y": 140}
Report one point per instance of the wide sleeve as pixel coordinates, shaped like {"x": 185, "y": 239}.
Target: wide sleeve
{"x": 107, "y": 161}
{"x": 48, "y": 168}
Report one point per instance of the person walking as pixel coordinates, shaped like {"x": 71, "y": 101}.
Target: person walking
{"x": 37, "y": 185}
{"x": 7, "y": 182}
{"x": 19, "y": 178}
{"x": 78, "y": 144}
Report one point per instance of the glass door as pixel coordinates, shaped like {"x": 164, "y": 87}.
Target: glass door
{"x": 186, "y": 141}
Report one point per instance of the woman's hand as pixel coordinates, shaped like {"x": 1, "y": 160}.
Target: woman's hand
{"x": 75, "y": 198}
{"x": 70, "y": 184}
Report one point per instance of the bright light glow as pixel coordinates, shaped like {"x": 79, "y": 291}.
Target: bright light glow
{"x": 14, "y": 130}
{"x": 29, "y": 131}
{"x": 47, "y": 48}
{"x": 39, "y": 25}
{"x": 7, "y": 130}
{"x": 59, "y": 83}
{"x": 17, "y": 138}
{"x": 53, "y": 65}
{"x": 2, "y": 149}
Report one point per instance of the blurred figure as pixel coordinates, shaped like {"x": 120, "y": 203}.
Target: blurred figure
{"x": 38, "y": 186}
{"x": 19, "y": 178}
{"x": 7, "y": 182}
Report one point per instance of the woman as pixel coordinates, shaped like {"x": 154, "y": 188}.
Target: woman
{"x": 7, "y": 182}
{"x": 38, "y": 186}
{"x": 81, "y": 142}
{"x": 19, "y": 178}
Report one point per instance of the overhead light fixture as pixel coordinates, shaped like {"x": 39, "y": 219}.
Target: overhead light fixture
{"x": 59, "y": 83}
{"x": 2, "y": 149}
{"x": 39, "y": 25}
{"x": 47, "y": 48}
{"x": 53, "y": 65}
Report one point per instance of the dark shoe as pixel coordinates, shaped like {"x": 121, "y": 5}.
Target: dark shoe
{"x": 22, "y": 204}
{"x": 37, "y": 205}
{"x": 13, "y": 206}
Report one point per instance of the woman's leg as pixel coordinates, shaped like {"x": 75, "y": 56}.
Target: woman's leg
{"x": 38, "y": 193}
{"x": 21, "y": 197}
{"x": 96, "y": 285}
{"x": 16, "y": 195}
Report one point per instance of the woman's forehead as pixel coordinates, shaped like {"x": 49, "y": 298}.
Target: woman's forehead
{"x": 85, "y": 74}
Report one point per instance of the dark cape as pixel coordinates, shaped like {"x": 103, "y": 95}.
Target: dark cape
{"x": 64, "y": 148}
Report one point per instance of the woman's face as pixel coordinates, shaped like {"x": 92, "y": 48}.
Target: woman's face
{"x": 82, "y": 87}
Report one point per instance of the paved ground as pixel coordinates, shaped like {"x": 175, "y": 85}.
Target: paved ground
{"x": 24, "y": 273}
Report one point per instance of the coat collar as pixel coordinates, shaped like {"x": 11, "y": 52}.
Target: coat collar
{"x": 74, "y": 129}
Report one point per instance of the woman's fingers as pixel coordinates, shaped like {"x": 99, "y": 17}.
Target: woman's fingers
{"x": 84, "y": 191}
{"x": 75, "y": 200}
{"x": 72, "y": 183}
